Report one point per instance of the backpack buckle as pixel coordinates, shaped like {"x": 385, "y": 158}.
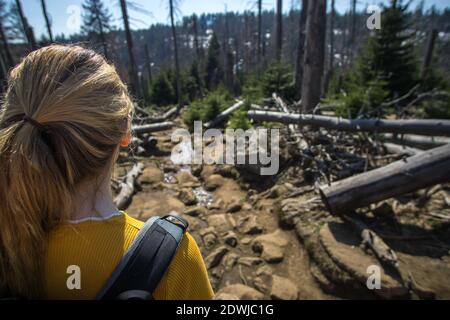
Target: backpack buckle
{"x": 177, "y": 220}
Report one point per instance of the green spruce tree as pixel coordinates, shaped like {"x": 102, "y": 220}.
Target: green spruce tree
{"x": 213, "y": 68}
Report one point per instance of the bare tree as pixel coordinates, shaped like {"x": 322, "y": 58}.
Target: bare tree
{"x": 148, "y": 63}
{"x": 7, "y": 56}
{"x": 27, "y": 29}
{"x": 47, "y": 20}
{"x": 301, "y": 48}
{"x": 133, "y": 71}
{"x": 351, "y": 46}
{"x": 314, "y": 54}
{"x": 175, "y": 48}
{"x": 279, "y": 37}
{"x": 259, "y": 29}
{"x": 96, "y": 20}
{"x": 198, "y": 50}
{"x": 331, "y": 58}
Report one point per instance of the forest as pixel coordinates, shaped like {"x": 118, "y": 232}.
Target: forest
{"x": 363, "y": 113}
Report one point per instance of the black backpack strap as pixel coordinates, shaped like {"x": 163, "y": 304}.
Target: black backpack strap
{"x": 142, "y": 267}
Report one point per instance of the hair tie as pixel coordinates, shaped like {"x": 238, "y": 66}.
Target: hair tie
{"x": 33, "y": 122}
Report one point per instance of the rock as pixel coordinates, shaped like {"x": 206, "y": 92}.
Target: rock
{"x": 250, "y": 261}
{"x": 207, "y": 170}
{"x": 213, "y": 182}
{"x": 217, "y": 204}
{"x": 186, "y": 179}
{"x": 283, "y": 289}
{"x": 265, "y": 270}
{"x": 234, "y": 206}
{"x": 249, "y": 225}
{"x": 241, "y": 291}
{"x": 225, "y": 170}
{"x": 196, "y": 211}
{"x": 151, "y": 175}
{"x": 222, "y": 221}
{"x": 261, "y": 284}
{"x": 209, "y": 237}
{"x": 246, "y": 240}
{"x": 225, "y": 296}
{"x": 169, "y": 168}
{"x": 230, "y": 260}
{"x": 271, "y": 246}
{"x": 277, "y": 191}
{"x": 247, "y": 206}
{"x": 214, "y": 258}
{"x": 231, "y": 239}
{"x": 187, "y": 196}
{"x": 196, "y": 169}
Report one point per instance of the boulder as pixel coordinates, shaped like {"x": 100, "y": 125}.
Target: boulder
{"x": 249, "y": 225}
{"x": 283, "y": 289}
{"x": 241, "y": 291}
{"x": 186, "y": 179}
{"x": 230, "y": 238}
{"x": 213, "y": 182}
{"x": 271, "y": 246}
{"x": 214, "y": 258}
{"x": 151, "y": 175}
{"x": 234, "y": 206}
{"x": 196, "y": 211}
{"x": 187, "y": 196}
{"x": 250, "y": 261}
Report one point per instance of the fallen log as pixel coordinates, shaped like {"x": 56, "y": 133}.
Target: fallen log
{"x": 127, "y": 189}
{"x": 402, "y": 150}
{"x": 224, "y": 115}
{"x": 420, "y": 171}
{"x": 425, "y": 127}
{"x": 153, "y": 127}
{"x": 141, "y": 111}
{"x": 415, "y": 140}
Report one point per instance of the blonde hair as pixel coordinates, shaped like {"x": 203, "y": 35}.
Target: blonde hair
{"x": 61, "y": 123}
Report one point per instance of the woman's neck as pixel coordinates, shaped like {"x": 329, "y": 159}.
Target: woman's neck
{"x": 94, "y": 199}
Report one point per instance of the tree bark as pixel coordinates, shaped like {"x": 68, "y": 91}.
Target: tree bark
{"x": 429, "y": 53}
{"x": 401, "y": 150}
{"x": 414, "y": 140}
{"x": 148, "y": 63}
{"x": 301, "y": 48}
{"x": 259, "y": 30}
{"x": 153, "y": 127}
{"x": 133, "y": 70}
{"x": 423, "y": 170}
{"x": 102, "y": 33}
{"x": 279, "y": 39}
{"x": 331, "y": 58}
{"x": 425, "y": 127}
{"x": 224, "y": 115}
{"x": 123, "y": 199}
{"x": 28, "y": 31}
{"x": 47, "y": 20}
{"x": 8, "y": 56}
{"x": 314, "y": 54}
{"x": 175, "y": 48}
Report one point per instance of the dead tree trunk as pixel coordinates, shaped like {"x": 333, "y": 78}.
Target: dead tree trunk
{"x": 279, "y": 36}
{"x": 429, "y": 53}
{"x": 401, "y": 150}
{"x": 148, "y": 63}
{"x": 175, "y": 48}
{"x": 425, "y": 127}
{"x": 352, "y": 31}
{"x": 123, "y": 199}
{"x": 47, "y": 20}
{"x": 154, "y": 127}
{"x": 301, "y": 48}
{"x": 27, "y": 30}
{"x": 133, "y": 70}
{"x": 8, "y": 56}
{"x": 331, "y": 58}
{"x": 414, "y": 140}
{"x": 224, "y": 115}
{"x": 423, "y": 170}
{"x": 314, "y": 54}
{"x": 259, "y": 30}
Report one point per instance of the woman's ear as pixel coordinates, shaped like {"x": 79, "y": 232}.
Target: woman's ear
{"x": 126, "y": 140}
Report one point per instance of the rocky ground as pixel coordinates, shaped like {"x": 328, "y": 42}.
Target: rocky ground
{"x": 272, "y": 238}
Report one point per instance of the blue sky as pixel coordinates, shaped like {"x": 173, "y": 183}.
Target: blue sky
{"x": 65, "y": 13}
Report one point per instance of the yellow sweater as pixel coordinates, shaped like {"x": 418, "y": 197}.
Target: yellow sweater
{"x": 96, "y": 247}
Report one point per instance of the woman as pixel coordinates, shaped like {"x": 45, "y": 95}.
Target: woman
{"x": 65, "y": 115}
